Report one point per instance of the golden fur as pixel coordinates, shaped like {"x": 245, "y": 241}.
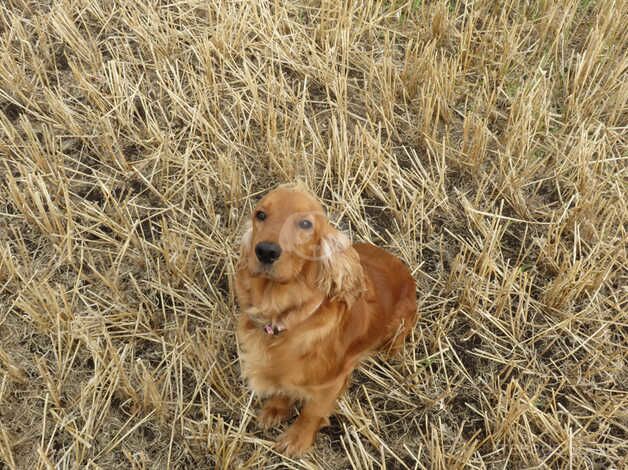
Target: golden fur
{"x": 330, "y": 303}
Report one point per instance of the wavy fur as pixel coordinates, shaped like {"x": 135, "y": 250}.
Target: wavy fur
{"x": 330, "y": 302}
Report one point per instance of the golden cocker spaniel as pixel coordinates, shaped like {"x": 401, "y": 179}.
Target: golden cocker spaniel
{"x": 313, "y": 305}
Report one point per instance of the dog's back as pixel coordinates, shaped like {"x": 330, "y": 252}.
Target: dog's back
{"x": 394, "y": 292}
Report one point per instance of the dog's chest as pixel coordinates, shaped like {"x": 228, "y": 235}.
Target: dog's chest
{"x": 265, "y": 367}
{"x": 279, "y": 364}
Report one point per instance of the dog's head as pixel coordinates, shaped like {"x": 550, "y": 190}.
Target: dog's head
{"x": 288, "y": 231}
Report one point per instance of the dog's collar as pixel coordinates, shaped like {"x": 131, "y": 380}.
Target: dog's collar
{"x": 270, "y": 328}
{"x": 273, "y": 329}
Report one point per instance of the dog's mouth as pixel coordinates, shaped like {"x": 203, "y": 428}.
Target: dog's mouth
{"x": 270, "y": 272}
{"x": 282, "y": 270}
{"x": 262, "y": 270}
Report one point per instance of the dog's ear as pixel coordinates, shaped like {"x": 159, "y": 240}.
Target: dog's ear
{"x": 245, "y": 246}
{"x": 340, "y": 272}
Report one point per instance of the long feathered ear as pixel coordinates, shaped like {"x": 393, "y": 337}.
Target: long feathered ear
{"x": 340, "y": 274}
{"x": 245, "y": 246}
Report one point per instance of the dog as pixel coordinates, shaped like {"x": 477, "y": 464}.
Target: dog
{"x": 312, "y": 307}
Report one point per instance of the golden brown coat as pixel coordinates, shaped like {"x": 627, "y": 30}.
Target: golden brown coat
{"x": 312, "y": 312}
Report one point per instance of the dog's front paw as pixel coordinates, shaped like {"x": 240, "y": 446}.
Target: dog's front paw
{"x": 274, "y": 411}
{"x": 295, "y": 441}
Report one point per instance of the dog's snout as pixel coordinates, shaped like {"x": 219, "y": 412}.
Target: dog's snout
{"x": 267, "y": 252}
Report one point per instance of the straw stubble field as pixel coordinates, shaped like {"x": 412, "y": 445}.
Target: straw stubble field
{"x": 483, "y": 142}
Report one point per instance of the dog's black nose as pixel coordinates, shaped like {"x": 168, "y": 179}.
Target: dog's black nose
{"x": 267, "y": 252}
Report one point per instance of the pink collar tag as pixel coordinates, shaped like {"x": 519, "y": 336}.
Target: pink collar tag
{"x": 273, "y": 329}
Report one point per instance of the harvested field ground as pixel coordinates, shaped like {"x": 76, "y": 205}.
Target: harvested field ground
{"x": 483, "y": 142}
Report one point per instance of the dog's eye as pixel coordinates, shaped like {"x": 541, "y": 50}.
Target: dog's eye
{"x": 305, "y": 224}
{"x": 260, "y": 215}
